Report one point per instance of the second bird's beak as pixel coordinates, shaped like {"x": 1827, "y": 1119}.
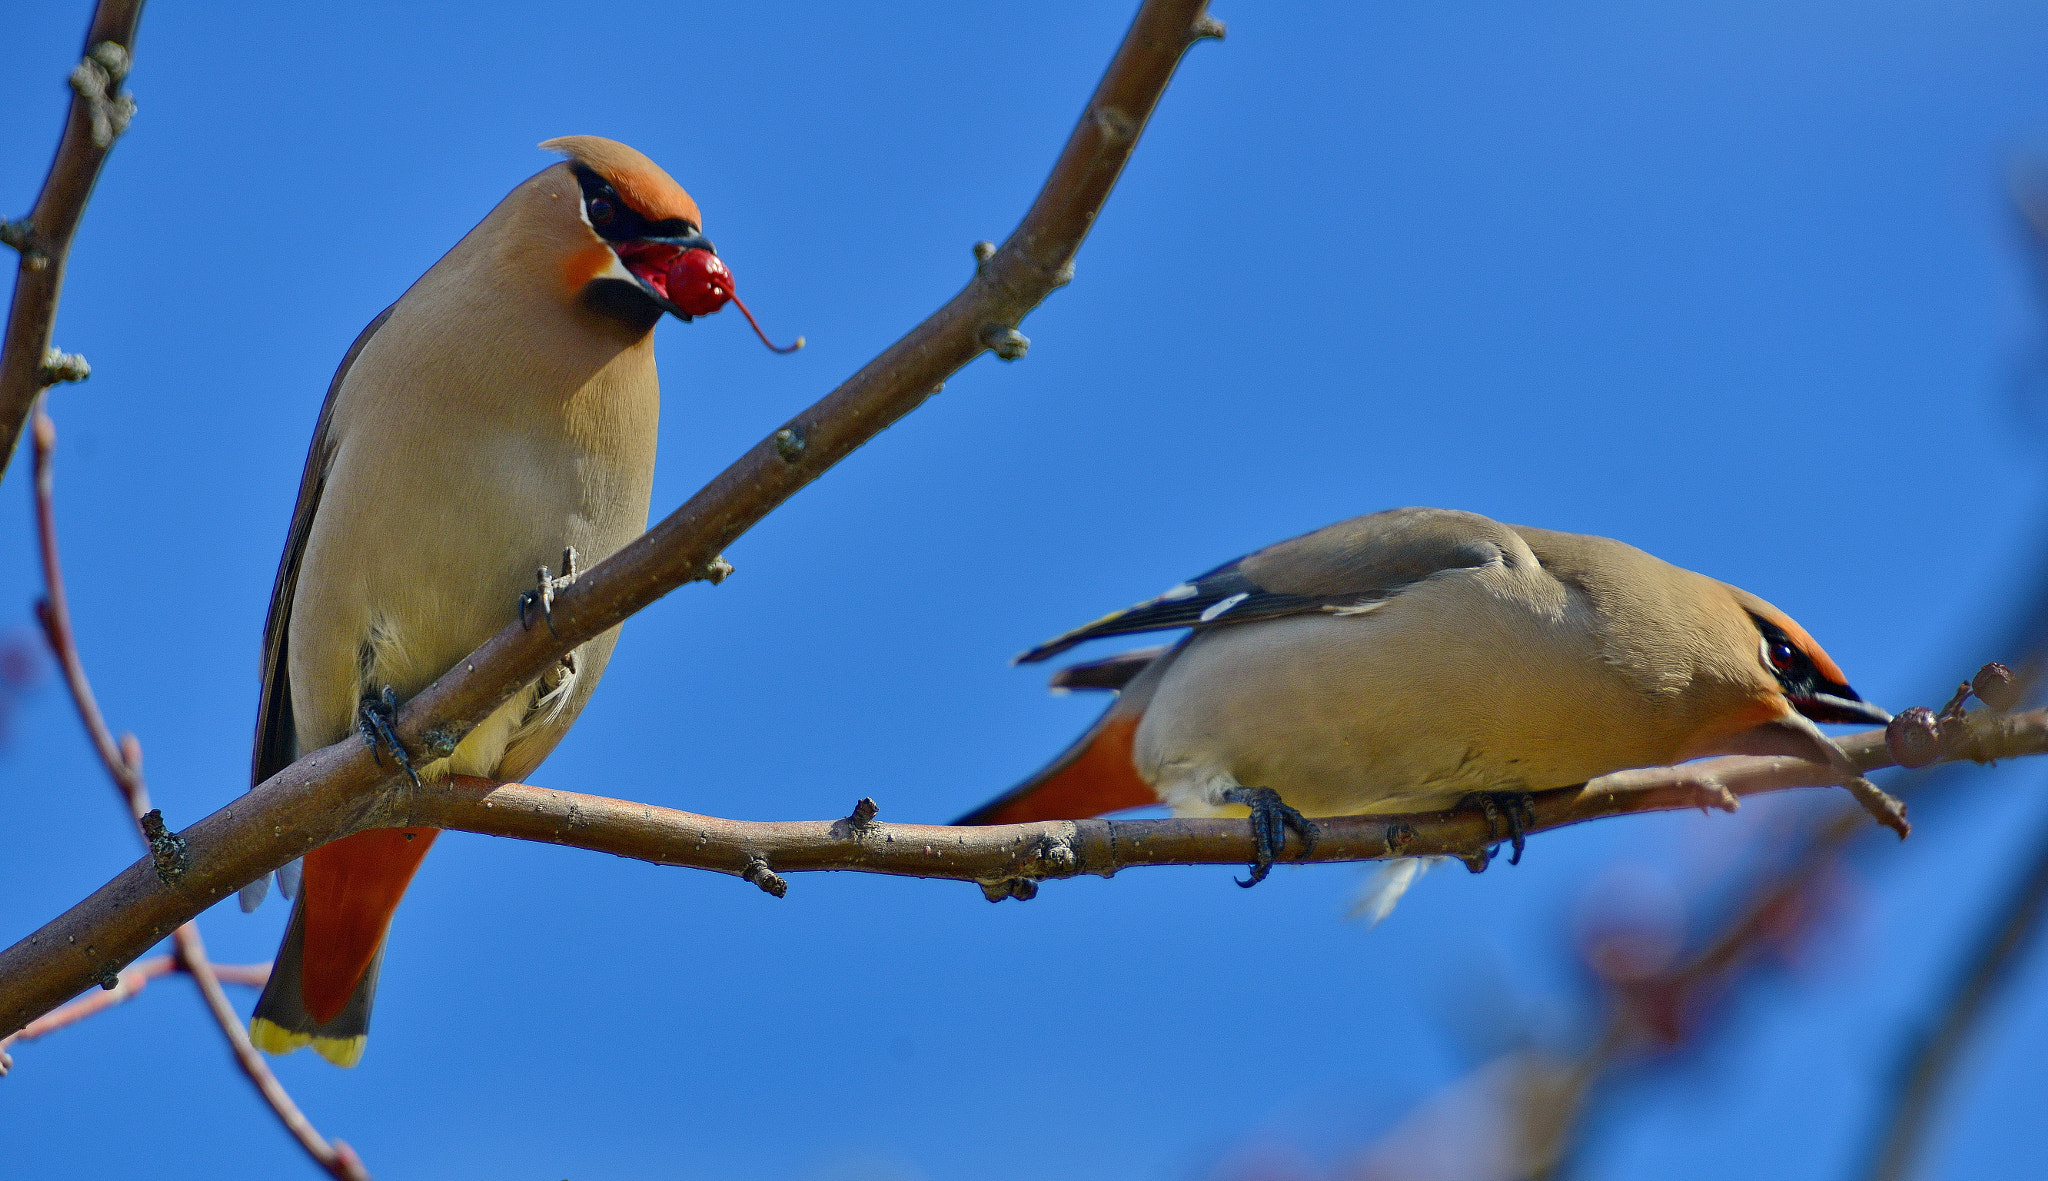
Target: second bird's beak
{"x": 1845, "y": 706}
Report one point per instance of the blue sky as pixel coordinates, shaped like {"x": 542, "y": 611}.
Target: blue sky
{"x": 1736, "y": 284}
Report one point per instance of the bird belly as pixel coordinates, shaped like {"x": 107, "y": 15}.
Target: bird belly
{"x": 1480, "y": 681}
{"x": 405, "y": 575}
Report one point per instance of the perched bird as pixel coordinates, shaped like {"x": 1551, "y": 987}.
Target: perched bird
{"x": 1412, "y": 659}
{"x": 501, "y": 413}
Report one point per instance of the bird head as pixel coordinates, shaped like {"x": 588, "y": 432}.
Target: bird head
{"x": 1793, "y": 684}
{"x": 1812, "y": 683}
{"x": 646, "y": 253}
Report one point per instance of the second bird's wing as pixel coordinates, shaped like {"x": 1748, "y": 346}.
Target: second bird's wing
{"x": 1349, "y": 567}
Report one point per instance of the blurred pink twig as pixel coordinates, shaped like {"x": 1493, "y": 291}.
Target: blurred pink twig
{"x": 123, "y": 761}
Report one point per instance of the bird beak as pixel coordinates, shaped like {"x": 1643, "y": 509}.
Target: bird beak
{"x": 1843, "y": 707}
{"x": 658, "y": 264}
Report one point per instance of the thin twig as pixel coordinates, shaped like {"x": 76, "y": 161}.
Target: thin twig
{"x": 132, "y": 981}
{"x": 303, "y": 807}
{"x": 98, "y": 110}
{"x": 340, "y": 1161}
{"x": 1008, "y": 283}
{"x": 345, "y": 788}
{"x": 1933, "y": 1058}
{"x": 123, "y": 761}
{"x": 54, "y": 613}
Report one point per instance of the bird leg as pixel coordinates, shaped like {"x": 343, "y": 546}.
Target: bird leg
{"x": 544, "y": 592}
{"x": 374, "y": 720}
{"x": 1514, "y": 809}
{"x": 1271, "y": 818}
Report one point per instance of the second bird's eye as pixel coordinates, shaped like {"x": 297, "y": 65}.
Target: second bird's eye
{"x": 1782, "y": 656}
{"x": 600, "y": 212}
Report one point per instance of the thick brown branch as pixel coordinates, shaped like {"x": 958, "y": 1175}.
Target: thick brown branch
{"x": 300, "y": 809}
{"x": 1008, "y": 284}
{"x": 344, "y": 788}
{"x": 168, "y": 855}
{"x": 44, "y": 237}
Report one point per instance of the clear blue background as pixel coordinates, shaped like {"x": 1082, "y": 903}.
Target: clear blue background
{"x": 1737, "y": 284}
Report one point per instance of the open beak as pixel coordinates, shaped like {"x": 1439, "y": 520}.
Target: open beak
{"x": 1845, "y": 707}
{"x": 682, "y": 273}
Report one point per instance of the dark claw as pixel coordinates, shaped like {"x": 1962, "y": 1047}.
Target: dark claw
{"x": 544, "y": 591}
{"x": 1517, "y": 808}
{"x": 374, "y": 720}
{"x": 1271, "y": 818}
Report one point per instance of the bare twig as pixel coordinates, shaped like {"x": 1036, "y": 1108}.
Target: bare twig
{"x": 1939, "y": 1050}
{"x": 99, "y": 110}
{"x": 303, "y": 807}
{"x": 340, "y": 1161}
{"x": 53, "y": 612}
{"x": 123, "y": 761}
{"x": 1663, "y": 1009}
{"x": 344, "y": 788}
{"x": 1007, "y": 284}
{"x": 132, "y": 980}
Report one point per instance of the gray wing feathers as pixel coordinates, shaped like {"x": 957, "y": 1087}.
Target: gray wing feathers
{"x": 276, "y": 734}
{"x": 1346, "y": 566}
{"x": 1377, "y": 554}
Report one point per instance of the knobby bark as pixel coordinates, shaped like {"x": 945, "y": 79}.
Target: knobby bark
{"x": 168, "y": 856}
{"x": 306, "y": 805}
{"x": 99, "y": 113}
{"x": 345, "y": 788}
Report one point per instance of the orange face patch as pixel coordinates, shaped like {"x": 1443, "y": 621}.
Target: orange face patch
{"x": 1713, "y": 737}
{"x": 584, "y": 265}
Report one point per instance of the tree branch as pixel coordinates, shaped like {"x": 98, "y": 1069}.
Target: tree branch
{"x": 169, "y": 856}
{"x": 99, "y": 112}
{"x": 299, "y": 809}
{"x": 344, "y": 788}
{"x": 133, "y": 979}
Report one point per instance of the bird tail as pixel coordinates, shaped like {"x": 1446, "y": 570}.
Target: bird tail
{"x": 1093, "y": 776}
{"x": 325, "y": 977}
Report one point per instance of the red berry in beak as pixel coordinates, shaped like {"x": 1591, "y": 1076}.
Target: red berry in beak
{"x": 698, "y": 282}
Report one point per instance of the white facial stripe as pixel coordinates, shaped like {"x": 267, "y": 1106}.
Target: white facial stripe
{"x": 614, "y": 269}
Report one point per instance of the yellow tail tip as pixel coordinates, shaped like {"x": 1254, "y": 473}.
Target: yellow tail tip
{"x": 272, "y": 1038}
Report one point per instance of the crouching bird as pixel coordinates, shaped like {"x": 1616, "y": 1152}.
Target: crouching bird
{"x": 1412, "y": 659}
{"x": 499, "y": 415}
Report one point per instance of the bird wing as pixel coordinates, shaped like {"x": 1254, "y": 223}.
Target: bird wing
{"x": 276, "y": 734}
{"x": 1352, "y": 566}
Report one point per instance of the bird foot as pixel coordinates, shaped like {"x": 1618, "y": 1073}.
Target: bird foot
{"x": 543, "y": 593}
{"x": 374, "y": 720}
{"x": 1512, "y": 812}
{"x": 1270, "y": 819}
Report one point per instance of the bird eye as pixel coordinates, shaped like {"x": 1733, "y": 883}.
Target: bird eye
{"x": 1782, "y": 656}
{"x": 600, "y": 212}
